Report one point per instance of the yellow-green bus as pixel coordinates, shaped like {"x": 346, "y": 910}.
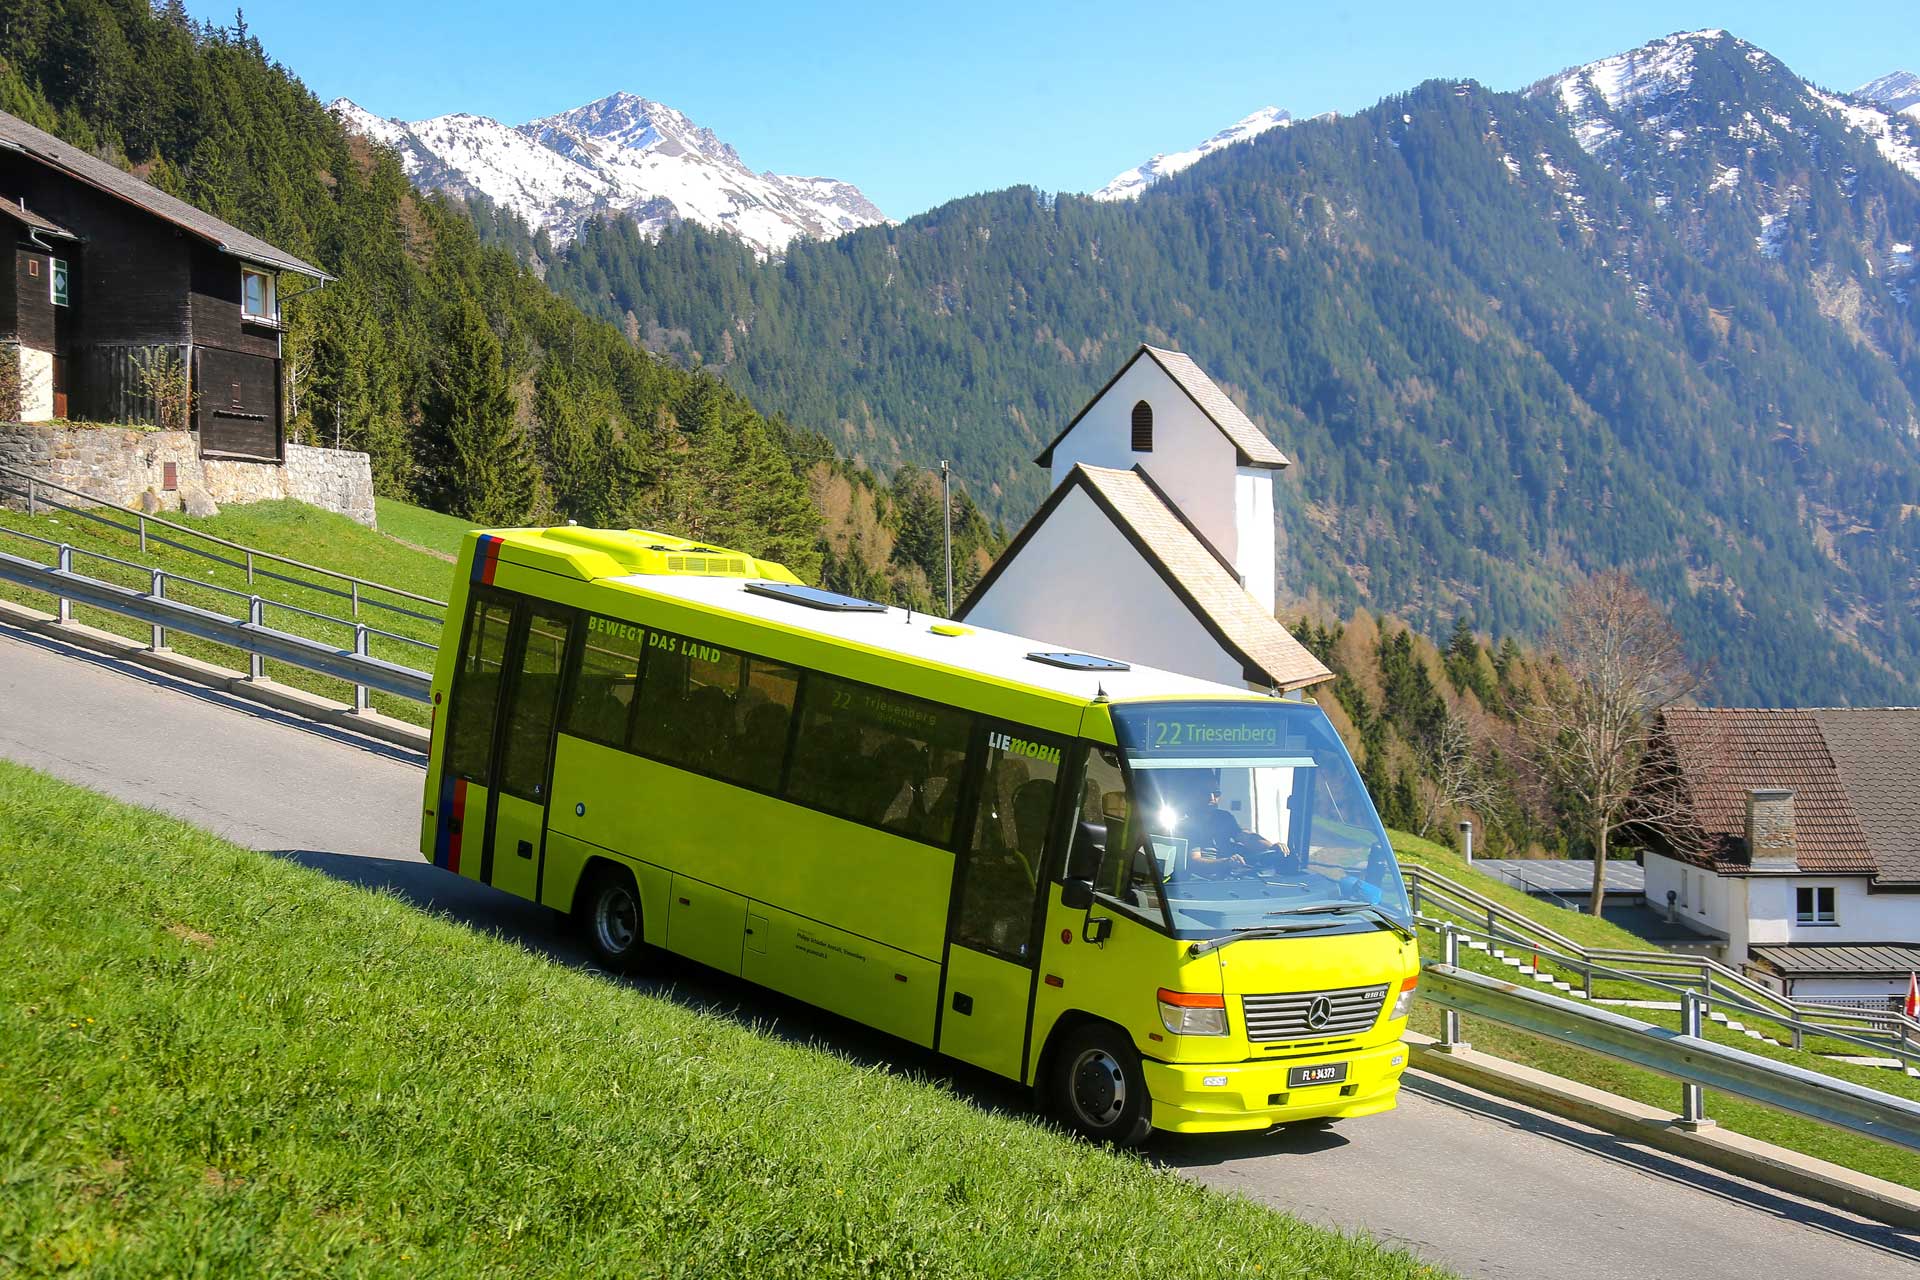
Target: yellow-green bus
{"x": 1158, "y": 901}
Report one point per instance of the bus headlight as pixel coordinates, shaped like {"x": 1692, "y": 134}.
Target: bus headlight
{"x": 1404, "y": 1004}
{"x": 1187, "y": 1013}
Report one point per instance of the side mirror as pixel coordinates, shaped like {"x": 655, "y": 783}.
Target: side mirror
{"x": 1077, "y": 895}
{"x": 1096, "y": 929}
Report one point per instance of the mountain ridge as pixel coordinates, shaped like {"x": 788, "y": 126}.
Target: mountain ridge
{"x": 620, "y": 155}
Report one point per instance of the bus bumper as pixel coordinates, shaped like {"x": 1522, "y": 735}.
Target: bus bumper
{"x": 1201, "y": 1098}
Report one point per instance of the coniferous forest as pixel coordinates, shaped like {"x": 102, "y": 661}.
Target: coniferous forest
{"x": 473, "y": 386}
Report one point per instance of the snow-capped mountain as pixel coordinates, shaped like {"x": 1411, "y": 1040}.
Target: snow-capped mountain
{"x": 1130, "y": 184}
{"x": 622, "y": 154}
{"x": 1646, "y": 99}
{"x": 1741, "y": 155}
{"x": 1896, "y": 91}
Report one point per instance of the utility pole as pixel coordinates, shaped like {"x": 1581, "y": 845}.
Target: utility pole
{"x": 946, "y": 521}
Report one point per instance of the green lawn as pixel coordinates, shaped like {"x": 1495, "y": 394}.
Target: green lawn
{"x": 421, "y": 527}
{"x": 292, "y": 529}
{"x": 213, "y": 1062}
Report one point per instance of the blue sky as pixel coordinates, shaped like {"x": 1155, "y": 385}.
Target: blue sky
{"x": 920, "y": 103}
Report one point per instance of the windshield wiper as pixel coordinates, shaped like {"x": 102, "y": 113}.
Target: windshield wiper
{"x": 1205, "y": 945}
{"x": 1340, "y": 908}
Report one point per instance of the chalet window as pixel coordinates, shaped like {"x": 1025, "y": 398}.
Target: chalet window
{"x": 256, "y": 296}
{"x": 1143, "y": 427}
{"x": 1813, "y": 906}
{"x": 57, "y": 282}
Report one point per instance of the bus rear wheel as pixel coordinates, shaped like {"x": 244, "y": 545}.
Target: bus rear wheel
{"x": 610, "y": 917}
{"x": 1096, "y": 1086}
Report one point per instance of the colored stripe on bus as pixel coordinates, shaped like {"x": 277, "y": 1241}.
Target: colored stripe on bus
{"x": 485, "y": 557}
{"x": 458, "y": 825}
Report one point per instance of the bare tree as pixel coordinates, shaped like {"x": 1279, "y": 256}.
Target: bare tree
{"x": 1620, "y": 662}
{"x": 1455, "y": 778}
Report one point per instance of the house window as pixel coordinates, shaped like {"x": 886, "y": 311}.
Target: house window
{"x": 1143, "y": 427}
{"x": 57, "y": 282}
{"x": 256, "y": 296}
{"x": 1813, "y": 906}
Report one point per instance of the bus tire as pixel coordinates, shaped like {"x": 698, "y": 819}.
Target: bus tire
{"x": 1095, "y": 1085}
{"x": 610, "y": 918}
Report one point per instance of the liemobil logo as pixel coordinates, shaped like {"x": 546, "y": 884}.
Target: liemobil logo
{"x": 1021, "y": 747}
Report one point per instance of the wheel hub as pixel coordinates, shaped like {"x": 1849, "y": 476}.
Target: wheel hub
{"x": 1099, "y": 1088}
{"x": 616, "y": 919}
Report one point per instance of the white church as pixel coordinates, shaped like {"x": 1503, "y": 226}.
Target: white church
{"x": 1156, "y": 545}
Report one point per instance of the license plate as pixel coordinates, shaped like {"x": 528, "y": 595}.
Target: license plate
{"x": 1330, "y": 1073}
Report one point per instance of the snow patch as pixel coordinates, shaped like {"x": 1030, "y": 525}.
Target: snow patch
{"x": 1129, "y": 185}
{"x": 1725, "y": 180}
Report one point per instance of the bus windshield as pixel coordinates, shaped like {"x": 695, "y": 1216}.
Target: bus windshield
{"x": 1241, "y": 814}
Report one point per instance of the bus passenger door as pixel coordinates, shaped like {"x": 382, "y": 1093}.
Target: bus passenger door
{"x": 523, "y": 772}
{"x": 992, "y": 941}
{"x": 464, "y": 805}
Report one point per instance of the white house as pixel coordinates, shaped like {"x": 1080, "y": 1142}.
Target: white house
{"x": 1157, "y": 542}
{"x": 1800, "y": 852}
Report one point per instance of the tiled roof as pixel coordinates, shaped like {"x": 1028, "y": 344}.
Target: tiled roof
{"x": 1724, "y": 752}
{"x": 1860, "y": 958}
{"x": 1877, "y": 751}
{"x": 18, "y": 135}
{"x": 1200, "y": 575}
{"x": 1250, "y": 444}
{"x": 26, "y": 217}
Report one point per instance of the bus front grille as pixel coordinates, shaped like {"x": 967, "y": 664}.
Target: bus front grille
{"x": 1297, "y": 1015}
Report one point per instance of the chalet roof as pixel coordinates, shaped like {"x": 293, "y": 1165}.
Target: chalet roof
{"x": 27, "y": 218}
{"x": 1860, "y": 959}
{"x": 1877, "y": 751}
{"x": 1250, "y": 444}
{"x": 1199, "y": 575}
{"x": 1724, "y": 752}
{"x": 18, "y": 135}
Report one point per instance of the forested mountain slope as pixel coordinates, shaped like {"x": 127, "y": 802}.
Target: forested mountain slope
{"x": 1496, "y": 358}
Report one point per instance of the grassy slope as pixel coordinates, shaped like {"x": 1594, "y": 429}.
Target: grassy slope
{"x": 421, "y": 527}
{"x": 232, "y": 1065}
{"x": 1864, "y": 1154}
{"x": 287, "y": 528}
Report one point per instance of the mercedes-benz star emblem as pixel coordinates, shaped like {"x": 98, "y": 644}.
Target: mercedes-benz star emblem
{"x": 1320, "y": 1012}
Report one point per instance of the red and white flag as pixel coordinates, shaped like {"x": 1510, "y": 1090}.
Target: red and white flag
{"x": 1911, "y": 1006}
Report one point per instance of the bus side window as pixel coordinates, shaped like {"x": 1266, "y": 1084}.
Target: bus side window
{"x": 536, "y": 696}
{"x": 476, "y": 687}
{"x": 606, "y": 677}
{"x": 880, "y": 757}
{"x": 1103, "y": 813}
{"x": 716, "y": 711}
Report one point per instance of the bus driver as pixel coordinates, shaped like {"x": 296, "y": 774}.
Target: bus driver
{"x": 1221, "y": 845}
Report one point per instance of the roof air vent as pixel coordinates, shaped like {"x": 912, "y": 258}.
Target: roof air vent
{"x": 815, "y": 598}
{"x": 1079, "y": 661}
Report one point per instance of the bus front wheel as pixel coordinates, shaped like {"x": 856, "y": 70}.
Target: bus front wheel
{"x": 610, "y": 916}
{"x": 1097, "y": 1088}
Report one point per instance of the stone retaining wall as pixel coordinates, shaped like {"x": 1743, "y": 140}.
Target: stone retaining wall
{"x": 127, "y": 467}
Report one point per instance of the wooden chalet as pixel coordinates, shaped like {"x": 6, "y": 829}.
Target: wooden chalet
{"x": 111, "y": 275}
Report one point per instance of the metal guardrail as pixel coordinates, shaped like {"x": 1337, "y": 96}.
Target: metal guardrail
{"x": 1683, "y": 1055}
{"x": 1887, "y": 1030}
{"x": 1683, "y": 997}
{"x": 358, "y": 592}
{"x": 248, "y": 633}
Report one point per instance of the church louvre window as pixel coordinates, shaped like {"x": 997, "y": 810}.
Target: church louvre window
{"x": 1143, "y": 427}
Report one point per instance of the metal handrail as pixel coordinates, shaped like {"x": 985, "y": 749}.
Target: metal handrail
{"x": 248, "y": 634}
{"x": 1683, "y": 1055}
{"x": 1715, "y": 980}
{"x": 250, "y": 556}
{"x": 1796, "y": 1027}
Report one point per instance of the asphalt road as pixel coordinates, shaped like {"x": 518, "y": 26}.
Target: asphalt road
{"x": 1470, "y": 1182}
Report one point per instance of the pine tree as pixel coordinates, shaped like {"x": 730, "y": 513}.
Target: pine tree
{"x": 482, "y": 460}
